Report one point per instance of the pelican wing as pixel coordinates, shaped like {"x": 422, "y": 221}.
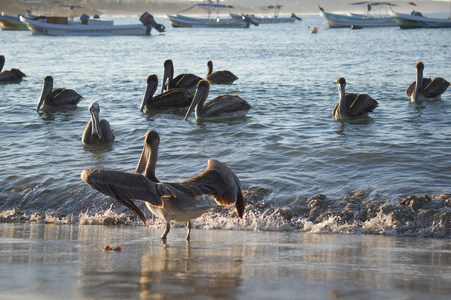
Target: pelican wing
{"x": 61, "y": 97}
{"x": 435, "y": 88}
{"x": 125, "y": 187}
{"x": 362, "y": 104}
{"x": 222, "y": 77}
{"x": 87, "y": 133}
{"x": 217, "y": 181}
{"x": 8, "y": 76}
{"x": 225, "y": 104}
{"x": 107, "y": 132}
{"x": 186, "y": 81}
{"x": 173, "y": 98}
{"x": 411, "y": 88}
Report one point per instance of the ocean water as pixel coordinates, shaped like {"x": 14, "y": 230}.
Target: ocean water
{"x": 388, "y": 173}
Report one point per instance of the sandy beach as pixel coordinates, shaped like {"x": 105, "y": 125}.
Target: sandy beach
{"x": 47, "y": 261}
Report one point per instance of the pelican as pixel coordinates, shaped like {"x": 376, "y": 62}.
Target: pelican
{"x": 56, "y": 98}
{"x": 224, "y": 106}
{"x": 352, "y": 105}
{"x": 219, "y": 77}
{"x": 171, "y": 98}
{"x": 425, "y": 88}
{"x": 174, "y": 202}
{"x": 98, "y": 131}
{"x": 185, "y": 81}
{"x": 11, "y": 76}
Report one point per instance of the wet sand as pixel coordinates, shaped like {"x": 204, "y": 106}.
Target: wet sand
{"x": 47, "y": 261}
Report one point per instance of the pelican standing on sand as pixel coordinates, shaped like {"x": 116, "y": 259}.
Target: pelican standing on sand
{"x": 11, "y": 76}
{"x": 352, "y": 105}
{"x": 219, "y": 77}
{"x": 174, "y": 202}
{"x": 185, "y": 81}
{"x": 224, "y": 106}
{"x": 425, "y": 88}
{"x": 98, "y": 131}
{"x": 53, "y": 99}
{"x": 169, "y": 99}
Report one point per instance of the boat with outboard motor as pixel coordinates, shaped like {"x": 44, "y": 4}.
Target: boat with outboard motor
{"x": 376, "y": 15}
{"x": 210, "y": 21}
{"x": 417, "y": 20}
{"x": 59, "y": 26}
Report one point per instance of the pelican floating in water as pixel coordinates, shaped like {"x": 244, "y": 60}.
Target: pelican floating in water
{"x": 219, "y": 77}
{"x": 174, "y": 202}
{"x": 185, "y": 81}
{"x": 169, "y": 99}
{"x": 11, "y": 76}
{"x": 98, "y": 131}
{"x": 352, "y": 105}
{"x": 224, "y": 106}
{"x": 51, "y": 99}
{"x": 425, "y": 88}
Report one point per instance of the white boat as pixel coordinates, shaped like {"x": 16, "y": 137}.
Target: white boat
{"x": 59, "y": 26}
{"x": 270, "y": 16}
{"x": 210, "y": 21}
{"x": 417, "y": 20}
{"x": 374, "y": 16}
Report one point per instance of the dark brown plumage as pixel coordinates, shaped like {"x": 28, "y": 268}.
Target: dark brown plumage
{"x": 352, "y": 105}
{"x": 57, "y": 98}
{"x": 11, "y": 76}
{"x": 224, "y": 106}
{"x": 185, "y": 81}
{"x": 427, "y": 89}
{"x": 171, "y": 99}
{"x": 219, "y": 77}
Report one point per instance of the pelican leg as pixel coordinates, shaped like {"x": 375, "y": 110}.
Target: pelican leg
{"x": 188, "y": 227}
{"x": 168, "y": 227}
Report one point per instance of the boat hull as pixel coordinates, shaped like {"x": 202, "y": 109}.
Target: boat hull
{"x": 11, "y": 23}
{"x": 266, "y": 20}
{"x": 406, "y": 21}
{"x": 184, "y": 21}
{"x": 40, "y": 27}
{"x": 340, "y": 21}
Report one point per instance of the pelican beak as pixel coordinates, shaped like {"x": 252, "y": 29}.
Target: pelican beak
{"x": 46, "y": 89}
{"x": 165, "y": 77}
{"x": 199, "y": 93}
{"x": 418, "y": 85}
{"x": 96, "y": 123}
{"x": 341, "y": 97}
{"x": 150, "y": 90}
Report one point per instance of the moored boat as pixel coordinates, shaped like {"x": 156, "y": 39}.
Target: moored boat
{"x": 210, "y": 21}
{"x": 271, "y": 16}
{"x": 368, "y": 19}
{"x": 59, "y": 26}
{"x": 8, "y": 22}
{"x": 417, "y": 20}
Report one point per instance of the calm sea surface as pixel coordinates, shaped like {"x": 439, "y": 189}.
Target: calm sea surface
{"x": 288, "y": 148}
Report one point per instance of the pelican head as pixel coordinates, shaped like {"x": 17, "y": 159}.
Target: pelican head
{"x": 46, "y": 89}
{"x": 168, "y": 72}
{"x": 419, "y": 81}
{"x": 341, "y": 84}
{"x": 94, "y": 110}
{"x": 203, "y": 88}
{"x": 152, "y": 84}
